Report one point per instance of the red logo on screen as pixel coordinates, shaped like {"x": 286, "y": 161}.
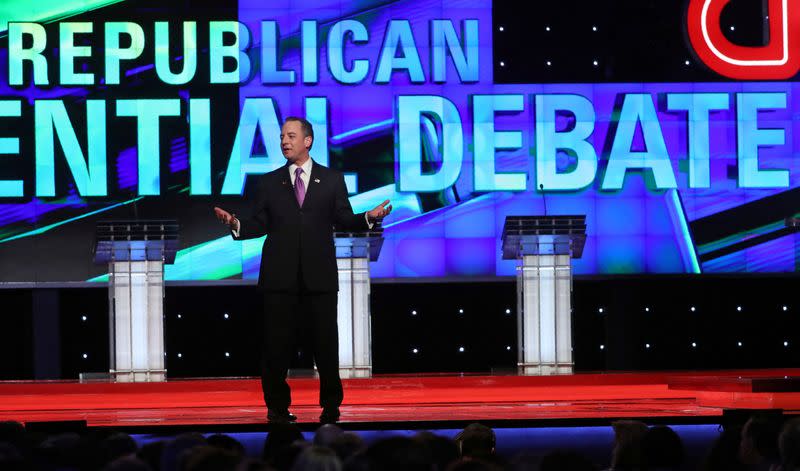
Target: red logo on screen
{"x": 778, "y": 60}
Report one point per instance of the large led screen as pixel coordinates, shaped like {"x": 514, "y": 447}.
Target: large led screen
{"x": 109, "y": 110}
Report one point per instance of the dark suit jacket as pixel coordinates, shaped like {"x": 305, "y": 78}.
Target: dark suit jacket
{"x": 300, "y": 238}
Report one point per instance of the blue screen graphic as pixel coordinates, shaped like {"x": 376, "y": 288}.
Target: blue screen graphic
{"x": 672, "y": 177}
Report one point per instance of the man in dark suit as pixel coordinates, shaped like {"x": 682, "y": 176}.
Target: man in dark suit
{"x": 297, "y": 206}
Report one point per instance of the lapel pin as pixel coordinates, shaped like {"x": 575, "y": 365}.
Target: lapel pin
{"x": 316, "y": 180}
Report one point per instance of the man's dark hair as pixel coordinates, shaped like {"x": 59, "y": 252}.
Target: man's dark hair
{"x": 476, "y": 441}
{"x": 226, "y": 442}
{"x": 210, "y": 458}
{"x": 789, "y": 444}
{"x": 399, "y": 454}
{"x": 116, "y": 446}
{"x": 305, "y": 125}
{"x": 279, "y": 437}
{"x": 763, "y": 431}
{"x": 347, "y": 445}
{"x": 662, "y": 448}
{"x": 627, "y": 453}
{"x": 13, "y": 433}
{"x": 317, "y": 458}
{"x": 724, "y": 452}
{"x": 443, "y": 450}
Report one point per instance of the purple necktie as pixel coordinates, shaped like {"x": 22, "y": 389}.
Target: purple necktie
{"x": 299, "y": 186}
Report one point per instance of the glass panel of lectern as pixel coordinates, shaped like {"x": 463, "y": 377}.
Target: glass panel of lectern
{"x": 135, "y": 253}
{"x": 544, "y": 247}
{"x": 354, "y": 251}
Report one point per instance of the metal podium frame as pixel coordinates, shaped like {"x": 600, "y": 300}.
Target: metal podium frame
{"x": 544, "y": 247}
{"x": 135, "y": 252}
{"x": 354, "y": 251}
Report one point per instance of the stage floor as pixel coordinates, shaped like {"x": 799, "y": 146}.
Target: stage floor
{"x": 421, "y": 401}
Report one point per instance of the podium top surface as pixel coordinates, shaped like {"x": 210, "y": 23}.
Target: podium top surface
{"x": 359, "y": 244}
{"x": 136, "y": 240}
{"x": 358, "y": 235}
{"x": 544, "y": 235}
{"x": 545, "y": 225}
{"x": 145, "y": 229}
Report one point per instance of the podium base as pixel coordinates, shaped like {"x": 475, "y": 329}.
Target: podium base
{"x": 139, "y": 376}
{"x": 123, "y": 377}
{"x": 540, "y": 369}
{"x": 355, "y": 372}
{"x": 345, "y": 372}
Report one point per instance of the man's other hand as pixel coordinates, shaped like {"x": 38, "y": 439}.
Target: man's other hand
{"x": 380, "y": 211}
{"x": 226, "y": 218}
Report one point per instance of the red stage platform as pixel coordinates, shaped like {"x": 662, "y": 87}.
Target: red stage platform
{"x": 409, "y": 400}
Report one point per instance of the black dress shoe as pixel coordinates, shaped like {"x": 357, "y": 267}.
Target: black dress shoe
{"x": 281, "y": 417}
{"x": 329, "y": 416}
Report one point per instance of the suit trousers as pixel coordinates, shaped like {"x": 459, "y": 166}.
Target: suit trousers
{"x": 284, "y": 312}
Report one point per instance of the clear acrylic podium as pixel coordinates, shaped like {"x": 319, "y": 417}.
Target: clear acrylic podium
{"x": 354, "y": 251}
{"x": 544, "y": 247}
{"x": 135, "y": 252}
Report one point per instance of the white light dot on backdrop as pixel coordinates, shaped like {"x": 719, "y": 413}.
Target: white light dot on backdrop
{"x": 647, "y": 345}
{"x": 547, "y": 28}
{"x": 501, "y": 28}
{"x": 85, "y": 356}
{"x": 508, "y": 347}
{"x": 227, "y": 354}
{"x": 595, "y": 63}
{"x": 461, "y": 349}
{"x": 83, "y": 318}
{"x": 414, "y": 350}
{"x": 180, "y": 355}
{"x": 594, "y": 28}
{"x": 602, "y": 347}
{"x": 502, "y": 64}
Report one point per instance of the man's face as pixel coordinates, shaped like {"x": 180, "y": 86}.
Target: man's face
{"x": 294, "y": 143}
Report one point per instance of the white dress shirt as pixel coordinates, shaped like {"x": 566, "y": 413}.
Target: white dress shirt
{"x": 305, "y": 176}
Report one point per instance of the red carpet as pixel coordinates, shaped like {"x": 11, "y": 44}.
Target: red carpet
{"x": 430, "y": 398}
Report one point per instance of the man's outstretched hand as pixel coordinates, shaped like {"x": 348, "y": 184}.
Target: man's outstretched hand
{"x": 226, "y": 218}
{"x": 380, "y": 211}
